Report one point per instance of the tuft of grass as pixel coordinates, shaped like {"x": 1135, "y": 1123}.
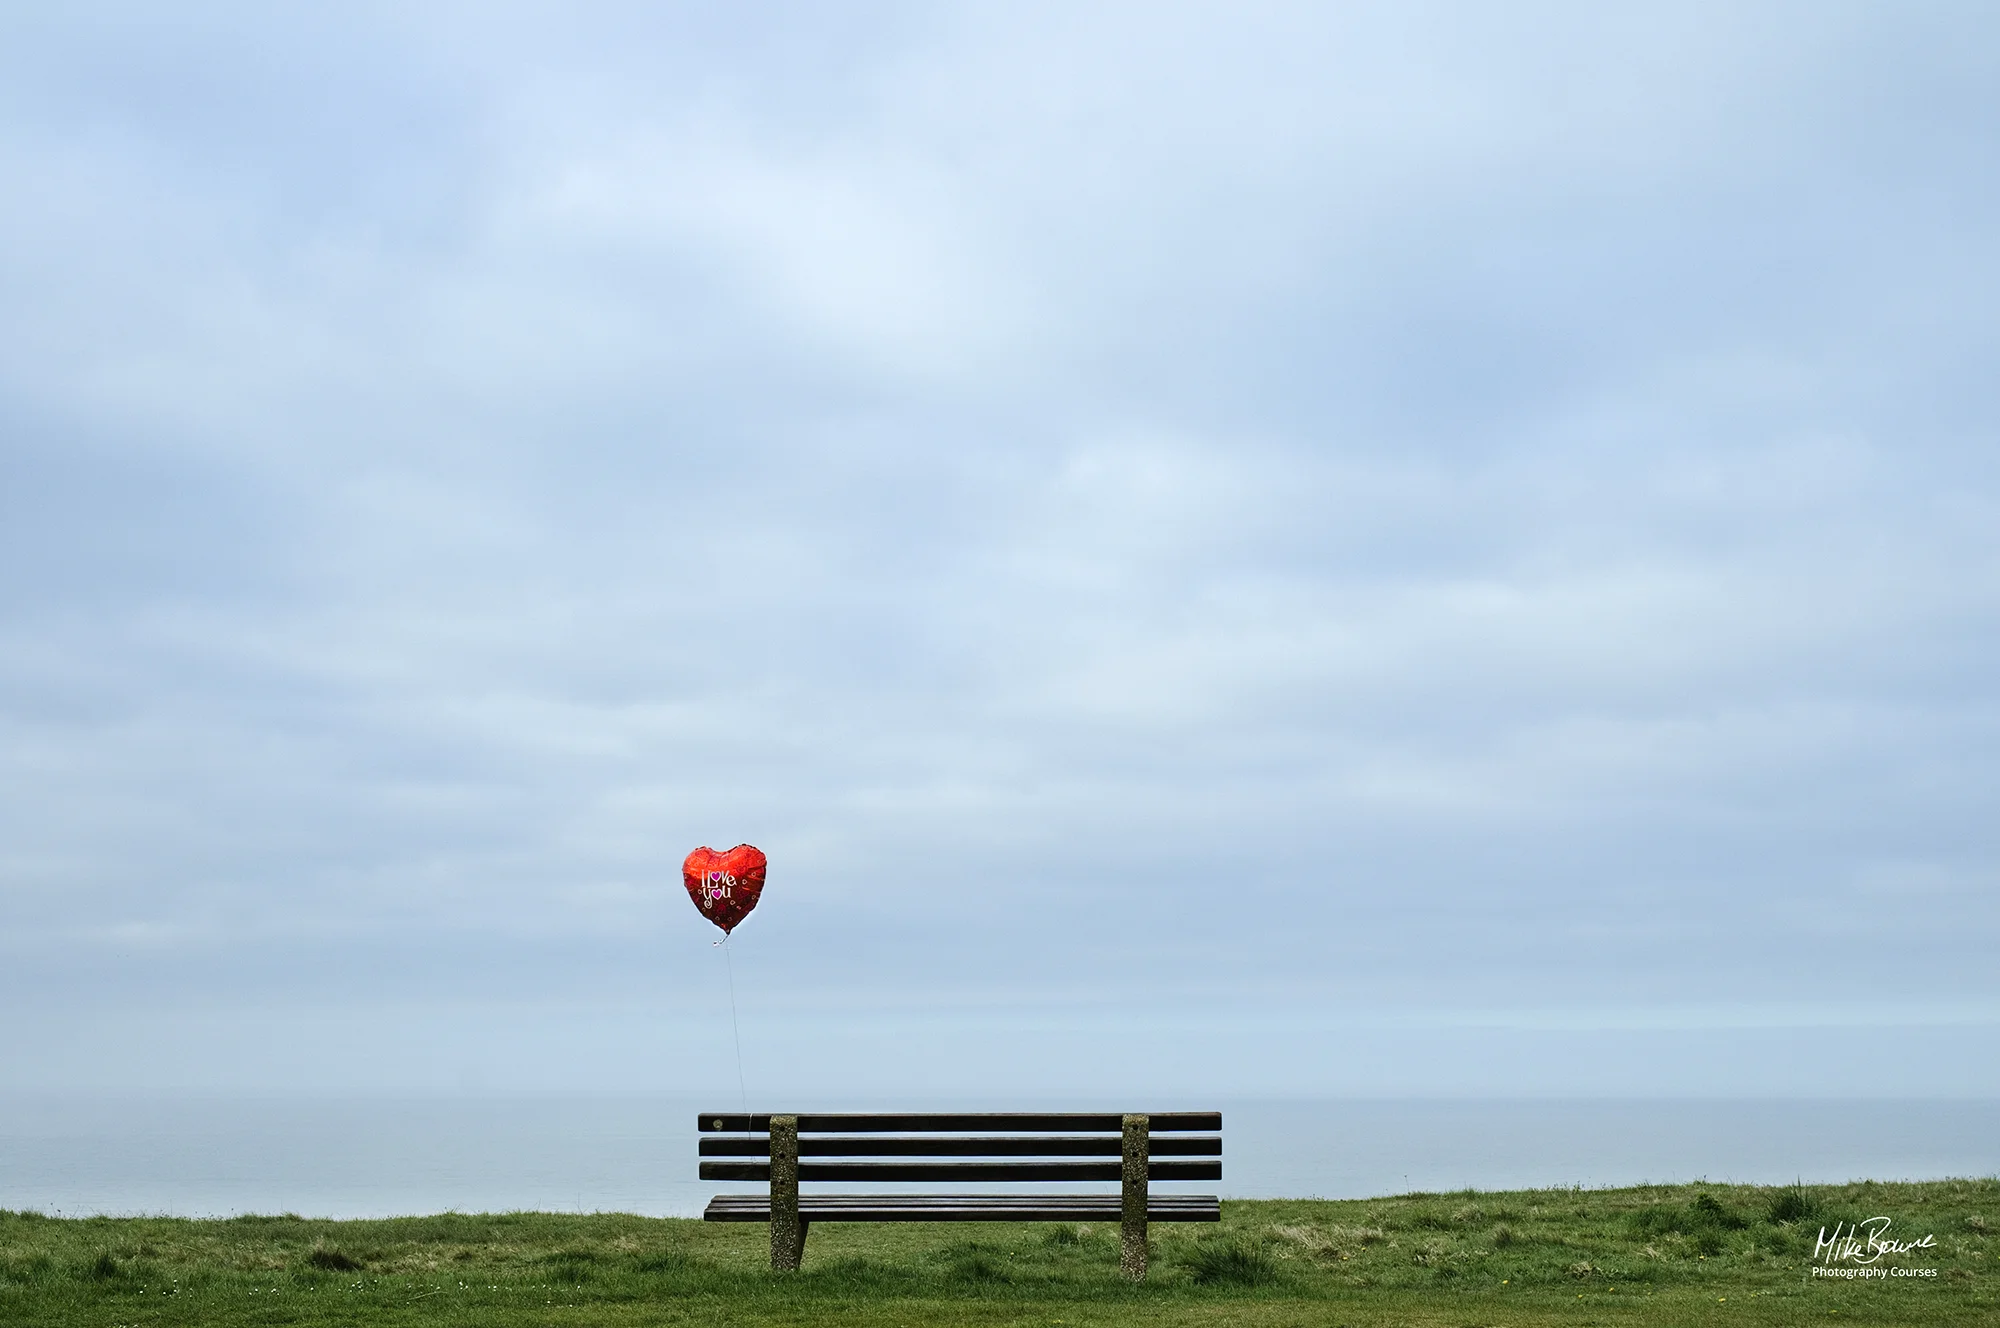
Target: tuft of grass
{"x": 1791, "y": 1204}
{"x": 331, "y": 1260}
{"x": 36, "y": 1268}
{"x": 1703, "y": 1222}
{"x": 572, "y": 1266}
{"x": 1655, "y": 1220}
{"x": 104, "y": 1268}
{"x": 974, "y": 1263}
{"x": 1708, "y": 1211}
{"x": 1229, "y": 1263}
{"x": 666, "y": 1261}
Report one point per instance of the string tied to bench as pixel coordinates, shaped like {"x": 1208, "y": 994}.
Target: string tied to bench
{"x": 735, "y": 1033}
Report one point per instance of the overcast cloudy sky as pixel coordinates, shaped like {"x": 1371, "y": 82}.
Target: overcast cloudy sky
{"x": 1220, "y": 550}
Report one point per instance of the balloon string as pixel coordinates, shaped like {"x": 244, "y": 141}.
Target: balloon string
{"x": 729, "y": 967}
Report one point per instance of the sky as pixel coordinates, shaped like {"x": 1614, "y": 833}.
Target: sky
{"x": 1236, "y": 550}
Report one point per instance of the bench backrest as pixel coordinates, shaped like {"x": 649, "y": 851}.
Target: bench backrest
{"x": 991, "y": 1146}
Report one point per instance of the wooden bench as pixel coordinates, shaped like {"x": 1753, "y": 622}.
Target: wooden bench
{"x": 1012, "y": 1146}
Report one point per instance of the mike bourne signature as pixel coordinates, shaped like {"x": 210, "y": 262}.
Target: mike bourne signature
{"x": 1863, "y": 1242}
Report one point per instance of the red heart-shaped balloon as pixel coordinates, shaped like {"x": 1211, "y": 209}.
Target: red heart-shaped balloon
{"x": 724, "y": 886}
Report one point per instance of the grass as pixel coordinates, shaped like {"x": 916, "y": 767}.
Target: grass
{"x": 1707, "y": 1254}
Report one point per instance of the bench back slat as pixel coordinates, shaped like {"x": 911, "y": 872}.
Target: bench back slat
{"x": 722, "y": 1122}
{"x": 1172, "y": 1145}
{"x": 962, "y": 1171}
{"x": 961, "y": 1147}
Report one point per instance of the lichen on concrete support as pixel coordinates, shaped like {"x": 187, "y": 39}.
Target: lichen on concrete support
{"x": 788, "y": 1233}
{"x": 1136, "y": 1156}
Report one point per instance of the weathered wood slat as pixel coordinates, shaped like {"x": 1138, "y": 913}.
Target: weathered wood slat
{"x": 962, "y": 1171}
{"x": 956, "y": 1146}
{"x": 1104, "y": 1122}
{"x": 966, "y": 1208}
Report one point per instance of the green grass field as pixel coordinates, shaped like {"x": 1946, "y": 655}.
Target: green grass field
{"x": 1701, "y": 1254}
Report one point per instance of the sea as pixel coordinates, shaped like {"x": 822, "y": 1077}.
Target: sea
{"x": 377, "y": 1157}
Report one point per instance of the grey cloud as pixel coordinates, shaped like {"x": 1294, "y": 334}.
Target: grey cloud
{"x": 1392, "y": 511}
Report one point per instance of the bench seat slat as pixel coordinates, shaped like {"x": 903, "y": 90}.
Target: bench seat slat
{"x": 954, "y": 1146}
{"x": 961, "y": 1171}
{"x": 965, "y": 1208}
{"x": 990, "y": 1122}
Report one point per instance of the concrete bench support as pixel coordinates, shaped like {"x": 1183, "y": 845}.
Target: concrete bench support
{"x": 788, "y": 1229}
{"x": 1132, "y": 1211}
